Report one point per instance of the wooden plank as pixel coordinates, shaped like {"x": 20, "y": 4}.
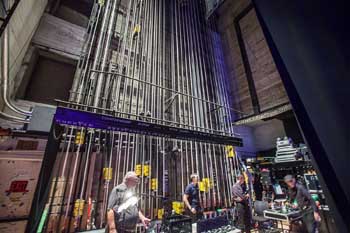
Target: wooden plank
{"x": 60, "y": 35}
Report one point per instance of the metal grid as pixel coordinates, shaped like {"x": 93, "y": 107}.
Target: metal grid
{"x": 155, "y": 60}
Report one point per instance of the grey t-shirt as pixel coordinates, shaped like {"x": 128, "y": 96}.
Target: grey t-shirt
{"x": 302, "y": 196}
{"x": 128, "y": 218}
{"x": 237, "y": 191}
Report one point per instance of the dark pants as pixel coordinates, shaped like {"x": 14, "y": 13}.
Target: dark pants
{"x": 125, "y": 231}
{"x": 121, "y": 230}
{"x": 307, "y": 223}
{"x": 243, "y": 216}
{"x": 195, "y": 217}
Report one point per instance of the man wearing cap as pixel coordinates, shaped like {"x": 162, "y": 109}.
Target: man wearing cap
{"x": 300, "y": 198}
{"x": 191, "y": 199}
{"x": 122, "y": 211}
{"x": 240, "y": 198}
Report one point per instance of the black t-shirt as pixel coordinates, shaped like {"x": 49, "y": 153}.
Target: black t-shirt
{"x": 193, "y": 195}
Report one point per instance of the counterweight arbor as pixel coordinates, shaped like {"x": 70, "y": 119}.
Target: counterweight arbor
{"x": 148, "y": 62}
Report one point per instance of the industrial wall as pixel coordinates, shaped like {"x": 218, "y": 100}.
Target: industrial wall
{"x": 22, "y": 27}
{"x": 266, "y": 79}
{"x": 42, "y": 38}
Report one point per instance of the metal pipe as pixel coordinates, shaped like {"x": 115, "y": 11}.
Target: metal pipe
{"x": 5, "y": 79}
{"x": 98, "y": 50}
{"x": 84, "y": 59}
{"x": 74, "y": 177}
{"x": 13, "y": 118}
{"x": 105, "y": 53}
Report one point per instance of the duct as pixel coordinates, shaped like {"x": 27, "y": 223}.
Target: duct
{"x": 5, "y": 76}
{"x": 13, "y": 118}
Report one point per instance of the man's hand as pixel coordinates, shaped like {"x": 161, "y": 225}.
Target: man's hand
{"x": 145, "y": 221}
{"x": 238, "y": 199}
{"x": 112, "y": 230}
{"x": 193, "y": 210}
{"x": 317, "y": 217}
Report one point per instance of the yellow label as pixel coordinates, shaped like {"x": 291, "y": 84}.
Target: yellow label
{"x": 146, "y": 170}
{"x": 160, "y": 213}
{"x": 230, "y": 151}
{"x": 101, "y": 2}
{"x": 78, "y": 207}
{"x": 246, "y": 177}
{"x": 201, "y": 185}
{"x": 154, "y": 184}
{"x": 138, "y": 169}
{"x": 206, "y": 182}
{"x": 107, "y": 173}
{"x": 137, "y": 28}
{"x": 178, "y": 207}
{"x": 79, "y": 138}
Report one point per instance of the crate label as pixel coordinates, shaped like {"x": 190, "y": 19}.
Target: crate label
{"x": 18, "y": 186}
{"x": 230, "y": 151}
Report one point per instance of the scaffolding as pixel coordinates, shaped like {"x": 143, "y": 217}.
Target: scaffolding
{"x": 158, "y": 63}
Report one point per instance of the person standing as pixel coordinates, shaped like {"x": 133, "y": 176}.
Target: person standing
{"x": 241, "y": 200}
{"x": 258, "y": 187}
{"x": 124, "y": 220}
{"x": 191, "y": 199}
{"x": 300, "y": 198}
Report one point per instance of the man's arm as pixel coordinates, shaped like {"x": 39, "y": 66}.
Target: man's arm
{"x": 145, "y": 221}
{"x": 187, "y": 203}
{"x": 236, "y": 194}
{"x": 110, "y": 213}
{"x": 110, "y": 221}
{"x": 306, "y": 194}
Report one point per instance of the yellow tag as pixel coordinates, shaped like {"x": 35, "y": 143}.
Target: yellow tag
{"x": 246, "y": 177}
{"x": 160, "y": 213}
{"x": 201, "y": 185}
{"x": 206, "y": 182}
{"x": 79, "y": 138}
{"x": 154, "y": 184}
{"x": 178, "y": 207}
{"x": 107, "y": 173}
{"x": 230, "y": 151}
{"x": 137, "y": 28}
{"x": 146, "y": 169}
{"x": 101, "y": 2}
{"x": 138, "y": 169}
{"x": 78, "y": 207}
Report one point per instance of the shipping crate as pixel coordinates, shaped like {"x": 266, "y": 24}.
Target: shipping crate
{"x": 13, "y": 227}
{"x": 19, "y": 171}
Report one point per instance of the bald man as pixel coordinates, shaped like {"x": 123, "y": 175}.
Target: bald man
{"x": 122, "y": 217}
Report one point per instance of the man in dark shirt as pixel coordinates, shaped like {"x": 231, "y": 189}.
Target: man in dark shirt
{"x": 258, "y": 187}
{"x": 191, "y": 199}
{"x": 240, "y": 199}
{"x": 300, "y": 198}
{"x": 123, "y": 212}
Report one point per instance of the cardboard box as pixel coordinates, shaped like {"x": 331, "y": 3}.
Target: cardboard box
{"x": 19, "y": 172}
{"x": 13, "y": 227}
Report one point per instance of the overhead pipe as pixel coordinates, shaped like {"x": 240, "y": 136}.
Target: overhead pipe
{"x": 5, "y": 76}
{"x": 12, "y": 118}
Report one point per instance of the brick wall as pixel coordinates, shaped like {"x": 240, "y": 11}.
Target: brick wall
{"x": 269, "y": 87}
